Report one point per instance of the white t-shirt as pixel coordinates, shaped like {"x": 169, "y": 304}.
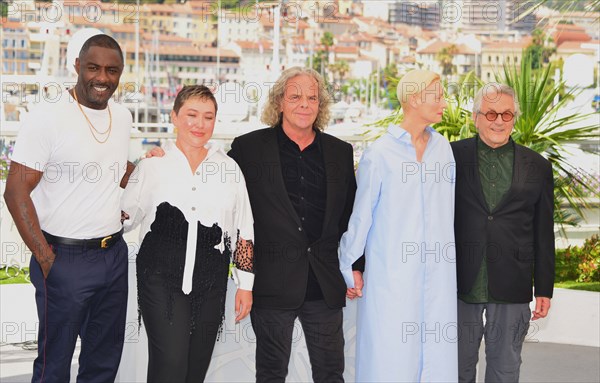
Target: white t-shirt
{"x": 215, "y": 193}
{"x": 78, "y": 195}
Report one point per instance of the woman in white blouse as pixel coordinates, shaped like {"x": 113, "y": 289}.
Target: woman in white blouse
{"x": 196, "y": 228}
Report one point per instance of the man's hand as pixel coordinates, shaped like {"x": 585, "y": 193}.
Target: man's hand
{"x": 156, "y": 151}
{"x": 542, "y": 306}
{"x": 46, "y": 261}
{"x": 128, "y": 170}
{"x": 243, "y": 304}
{"x": 124, "y": 216}
{"x": 356, "y": 291}
{"x": 45, "y": 258}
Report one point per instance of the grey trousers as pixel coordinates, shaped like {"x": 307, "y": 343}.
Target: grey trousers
{"x": 505, "y": 330}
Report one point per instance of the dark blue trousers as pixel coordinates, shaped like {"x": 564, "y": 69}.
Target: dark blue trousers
{"x": 84, "y": 295}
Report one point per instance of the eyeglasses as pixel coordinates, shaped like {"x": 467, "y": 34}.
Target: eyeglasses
{"x": 492, "y": 116}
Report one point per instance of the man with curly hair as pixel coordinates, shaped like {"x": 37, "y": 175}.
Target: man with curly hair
{"x": 301, "y": 186}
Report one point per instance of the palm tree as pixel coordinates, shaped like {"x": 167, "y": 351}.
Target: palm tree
{"x": 340, "y": 68}
{"x": 320, "y": 60}
{"x": 540, "y": 50}
{"x": 343, "y": 69}
{"x": 542, "y": 129}
{"x": 326, "y": 42}
{"x": 446, "y": 57}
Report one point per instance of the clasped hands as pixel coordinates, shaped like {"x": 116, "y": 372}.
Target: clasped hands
{"x": 356, "y": 291}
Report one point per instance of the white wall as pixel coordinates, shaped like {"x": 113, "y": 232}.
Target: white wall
{"x": 574, "y": 318}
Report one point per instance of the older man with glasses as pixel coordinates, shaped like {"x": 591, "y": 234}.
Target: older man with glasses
{"x": 504, "y": 238}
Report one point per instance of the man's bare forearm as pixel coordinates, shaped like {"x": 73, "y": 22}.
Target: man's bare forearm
{"x": 19, "y": 184}
{"x": 130, "y": 168}
{"x": 27, "y": 222}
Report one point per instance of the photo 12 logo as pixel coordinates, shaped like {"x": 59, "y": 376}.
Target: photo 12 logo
{"x": 68, "y": 11}
{"x": 116, "y": 12}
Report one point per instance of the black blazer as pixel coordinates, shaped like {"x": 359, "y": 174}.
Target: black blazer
{"x": 518, "y": 235}
{"x": 282, "y": 252}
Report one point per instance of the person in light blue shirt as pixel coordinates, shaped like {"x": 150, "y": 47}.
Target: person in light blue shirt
{"x": 403, "y": 221}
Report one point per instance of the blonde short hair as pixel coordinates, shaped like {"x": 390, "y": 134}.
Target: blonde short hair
{"x": 272, "y": 115}
{"x": 414, "y": 82}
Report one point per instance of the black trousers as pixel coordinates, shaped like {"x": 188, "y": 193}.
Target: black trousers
{"x": 324, "y": 334}
{"x": 175, "y": 353}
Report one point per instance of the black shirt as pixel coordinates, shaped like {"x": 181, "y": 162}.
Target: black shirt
{"x": 304, "y": 178}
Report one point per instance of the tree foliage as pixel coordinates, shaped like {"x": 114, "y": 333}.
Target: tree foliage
{"x": 340, "y": 69}
{"x": 541, "y": 128}
{"x": 320, "y": 60}
{"x": 540, "y": 50}
{"x": 446, "y": 57}
{"x": 390, "y": 84}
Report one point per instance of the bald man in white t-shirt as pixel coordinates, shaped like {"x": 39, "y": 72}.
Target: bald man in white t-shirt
{"x": 63, "y": 193}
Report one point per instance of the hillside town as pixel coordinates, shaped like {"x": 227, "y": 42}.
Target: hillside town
{"x": 356, "y": 44}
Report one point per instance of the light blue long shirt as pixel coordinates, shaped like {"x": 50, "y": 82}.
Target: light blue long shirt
{"x": 403, "y": 221}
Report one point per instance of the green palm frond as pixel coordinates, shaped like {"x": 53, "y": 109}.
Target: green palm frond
{"x": 565, "y": 6}
{"x": 540, "y": 128}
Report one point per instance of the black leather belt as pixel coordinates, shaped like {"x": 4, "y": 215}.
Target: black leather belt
{"x": 92, "y": 243}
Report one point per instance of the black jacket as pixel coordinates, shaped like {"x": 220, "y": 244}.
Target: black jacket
{"x": 282, "y": 251}
{"x": 517, "y": 236}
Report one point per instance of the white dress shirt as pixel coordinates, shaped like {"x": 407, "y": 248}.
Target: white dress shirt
{"x": 214, "y": 193}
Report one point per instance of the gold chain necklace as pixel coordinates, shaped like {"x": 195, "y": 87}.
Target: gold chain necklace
{"x": 92, "y": 127}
